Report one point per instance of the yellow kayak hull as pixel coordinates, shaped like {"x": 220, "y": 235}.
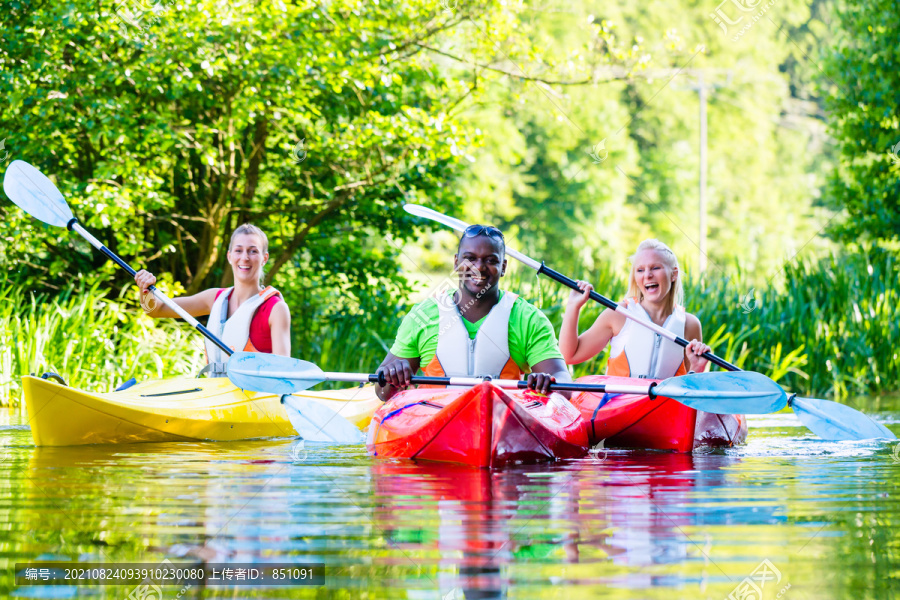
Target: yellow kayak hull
{"x": 172, "y": 410}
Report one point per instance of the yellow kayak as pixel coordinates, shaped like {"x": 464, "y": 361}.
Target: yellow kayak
{"x": 172, "y": 410}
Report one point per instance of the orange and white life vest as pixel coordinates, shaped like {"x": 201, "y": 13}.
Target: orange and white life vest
{"x": 639, "y": 352}
{"x": 487, "y": 354}
{"x": 234, "y": 331}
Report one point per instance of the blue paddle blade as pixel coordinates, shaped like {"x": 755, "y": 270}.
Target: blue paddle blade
{"x": 838, "y": 422}
{"x": 318, "y": 423}
{"x": 31, "y": 191}
{"x": 282, "y": 375}
{"x": 272, "y": 374}
{"x": 725, "y": 392}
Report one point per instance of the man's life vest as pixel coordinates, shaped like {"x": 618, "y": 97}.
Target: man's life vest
{"x": 639, "y": 352}
{"x": 487, "y": 354}
{"x": 234, "y": 331}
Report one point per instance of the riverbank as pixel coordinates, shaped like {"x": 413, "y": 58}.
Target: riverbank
{"x": 826, "y": 328}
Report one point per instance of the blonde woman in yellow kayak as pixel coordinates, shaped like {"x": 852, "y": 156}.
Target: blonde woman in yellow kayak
{"x": 655, "y": 294}
{"x": 248, "y": 316}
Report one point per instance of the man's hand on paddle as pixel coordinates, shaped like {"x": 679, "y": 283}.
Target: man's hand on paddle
{"x": 397, "y": 373}
{"x": 540, "y": 382}
{"x": 549, "y": 371}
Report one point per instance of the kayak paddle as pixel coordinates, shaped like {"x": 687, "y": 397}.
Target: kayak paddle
{"x": 316, "y": 422}
{"x": 313, "y": 421}
{"x": 829, "y": 420}
{"x": 31, "y": 191}
{"x": 34, "y": 193}
{"x": 275, "y": 374}
{"x": 837, "y": 422}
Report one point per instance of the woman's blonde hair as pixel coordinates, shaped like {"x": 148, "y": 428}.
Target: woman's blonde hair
{"x": 675, "y": 296}
{"x": 247, "y": 228}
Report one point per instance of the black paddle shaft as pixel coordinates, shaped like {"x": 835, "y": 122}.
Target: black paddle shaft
{"x": 571, "y": 283}
{"x": 522, "y": 384}
{"x": 115, "y": 258}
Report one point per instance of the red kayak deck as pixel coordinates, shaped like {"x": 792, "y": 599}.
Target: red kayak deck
{"x": 636, "y": 421}
{"x": 483, "y": 426}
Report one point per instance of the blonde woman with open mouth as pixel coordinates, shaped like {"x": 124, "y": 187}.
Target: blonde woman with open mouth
{"x": 655, "y": 294}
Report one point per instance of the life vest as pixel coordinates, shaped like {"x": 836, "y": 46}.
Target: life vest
{"x": 234, "y": 331}
{"x": 487, "y": 354}
{"x": 639, "y": 352}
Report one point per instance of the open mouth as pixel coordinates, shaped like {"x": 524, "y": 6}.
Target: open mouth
{"x": 651, "y": 287}
{"x": 473, "y": 277}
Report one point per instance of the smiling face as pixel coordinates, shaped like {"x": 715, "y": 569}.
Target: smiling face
{"x": 247, "y": 258}
{"x": 653, "y": 278}
{"x": 480, "y": 263}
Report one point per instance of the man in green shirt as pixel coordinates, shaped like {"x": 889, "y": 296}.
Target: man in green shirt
{"x": 477, "y": 329}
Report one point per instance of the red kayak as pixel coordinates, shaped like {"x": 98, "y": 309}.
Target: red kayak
{"x": 483, "y": 426}
{"x": 636, "y": 421}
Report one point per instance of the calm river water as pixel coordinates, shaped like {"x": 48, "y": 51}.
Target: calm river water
{"x": 785, "y": 516}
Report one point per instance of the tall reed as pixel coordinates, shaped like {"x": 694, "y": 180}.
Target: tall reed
{"x": 92, "y": 341}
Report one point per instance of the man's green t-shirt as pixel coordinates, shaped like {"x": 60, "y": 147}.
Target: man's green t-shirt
{"x": 531, "y": 336}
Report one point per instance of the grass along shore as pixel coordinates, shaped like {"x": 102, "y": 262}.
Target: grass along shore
{"x": 93, "y": 341}
{"x": 834, "y": 331}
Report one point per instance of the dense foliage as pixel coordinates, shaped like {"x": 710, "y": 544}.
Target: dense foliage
{"x": 94, "y": 340}
{"x": 572, "y": 125}
{"x": 590, "y": 170}
{"x": 861, "y": 84}
{"x": 169, "y": 127}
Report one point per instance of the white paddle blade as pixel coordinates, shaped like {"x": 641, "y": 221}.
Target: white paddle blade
{"x": 838, "y": 422}
{"x": 318, "y": 423}
{"x": 31, "y": 191}
{"x": 427, "y": 213}
{"x": 271, "y": 373}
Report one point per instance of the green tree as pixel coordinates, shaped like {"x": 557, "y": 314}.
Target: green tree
{"x": 861, "y": 84}
{"x": 622, "y": 74}
{"x": 166, "y": 125}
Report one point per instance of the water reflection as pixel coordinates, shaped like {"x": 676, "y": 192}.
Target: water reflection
{"x": 473, "y": 523}
{"x": 627, "y": 524}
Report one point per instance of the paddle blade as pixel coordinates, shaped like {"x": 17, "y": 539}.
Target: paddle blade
{"x": 427, "y": 213}
{"x": 318, "y": 423}
{"x": 725, "y": 392}
{"x": 838, "y": 422}
{"x": 31, "y": 191}
{"x": 272, "y": 374}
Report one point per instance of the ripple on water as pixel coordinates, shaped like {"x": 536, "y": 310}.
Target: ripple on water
{"x": 632, "y": 524}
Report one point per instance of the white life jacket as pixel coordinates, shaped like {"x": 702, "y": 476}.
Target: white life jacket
{"x": 486, "y": 355}
{"x": 234, "y": 331}
{"x": 639, "y": 352}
